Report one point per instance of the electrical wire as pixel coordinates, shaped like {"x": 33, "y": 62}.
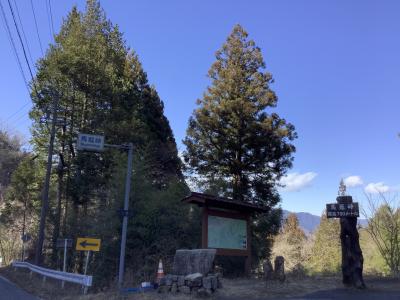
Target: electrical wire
{"x": 23, "y": 33}
{"x": 48, "y": 19}
{"x": 18, "y": 110}
{"x": 51, "y": 19}
{"x": 14, "y": 49}
{"x": 24, "y": 52}
{"x": 20, "y": 39}
{"x": 11, "y": 39}
{"x": 13, "y": 126}
{"x": 37, "y": 28}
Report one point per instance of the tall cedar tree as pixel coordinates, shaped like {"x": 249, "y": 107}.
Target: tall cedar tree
{"x": 290, "y": 243}
{"x": 234, "y": 142}
{"x": 231, "y": 136}
{"x": 326, "y": 251}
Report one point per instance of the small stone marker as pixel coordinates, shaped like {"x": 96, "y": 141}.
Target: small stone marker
{"x": 193, "y": 273}
{"x": 194, "y": 280}
{"x": 185, "y": 289}
{"x": 268, "y": 270}
{"x": 279, "y": 268}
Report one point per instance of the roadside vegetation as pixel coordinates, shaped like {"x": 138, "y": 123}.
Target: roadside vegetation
{"x": 319, "y": 253}
{"x": 237, "y": 146}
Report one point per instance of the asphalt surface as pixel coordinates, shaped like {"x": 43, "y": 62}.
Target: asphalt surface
{"x": 352, "y": 294}
{"x": 9, "y": 291}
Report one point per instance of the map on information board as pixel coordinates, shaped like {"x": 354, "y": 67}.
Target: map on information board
{"x": 227, "y": 233}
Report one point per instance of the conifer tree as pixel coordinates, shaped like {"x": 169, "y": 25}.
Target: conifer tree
{"x": 326, "y": 251}
{"x": 290, "y": 243}
{"x": 103, "y": 89}
{"x": 233, "y": 138}
{"x": 233, "y": 135}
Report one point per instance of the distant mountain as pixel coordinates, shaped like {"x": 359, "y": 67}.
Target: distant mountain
{"x": 309, "y": 222}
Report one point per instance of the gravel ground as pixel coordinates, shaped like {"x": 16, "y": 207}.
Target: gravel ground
{"x": 322, "y": 288}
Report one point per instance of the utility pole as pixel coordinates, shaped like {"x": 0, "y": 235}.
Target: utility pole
{"x": 125, "y": 219}
{"x": 45, "y": 193}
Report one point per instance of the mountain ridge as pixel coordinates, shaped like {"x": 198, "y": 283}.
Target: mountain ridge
{"x": 309, "y": 222}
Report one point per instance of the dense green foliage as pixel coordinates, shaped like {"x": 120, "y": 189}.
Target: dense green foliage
{"x": 237, "y": 147}
{"x": 15, "y": 188}
{"x": 10, "y": 155}
{"x": 326, "y": 251}
{"x": 101, "y": 88}
{"x": 231, "y": 136}
{"x": 320, "y": 251}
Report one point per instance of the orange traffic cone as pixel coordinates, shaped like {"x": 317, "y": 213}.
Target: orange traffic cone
{"x": 160, "y": 271}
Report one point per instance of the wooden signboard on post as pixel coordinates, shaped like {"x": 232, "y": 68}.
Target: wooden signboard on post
{"x": 341, "y": 210}
{"x": 226, "y": 225}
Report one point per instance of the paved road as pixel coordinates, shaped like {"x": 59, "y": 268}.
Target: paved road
{"x": 9, "y": 291}
{"x": 352, "y": 294}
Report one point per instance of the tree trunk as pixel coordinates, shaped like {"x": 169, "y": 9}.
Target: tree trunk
{"x": 352, "y": 258}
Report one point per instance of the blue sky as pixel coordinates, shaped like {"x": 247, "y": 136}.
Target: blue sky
{"x": 335, "y": 64}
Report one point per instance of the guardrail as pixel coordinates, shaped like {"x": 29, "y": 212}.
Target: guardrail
{"x": 84, "y": 280}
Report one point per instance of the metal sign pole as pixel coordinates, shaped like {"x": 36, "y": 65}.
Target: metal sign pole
{"x": 87, "y": 261}
{"x": 23, "y": 251}
{"x": 86, "y": 266}
{"x": 125, "y": 219}
{"x": 65, "y": 261}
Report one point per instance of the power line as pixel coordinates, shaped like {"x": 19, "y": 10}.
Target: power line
{"x": 24, "y": 52}
{"x": 37, "y": 29}
{"x": 18, "y": 110}
{"x": 51, "y": 18}
{"x": 13, "y": 126}
{"x": 23, "y": 32}
{"x": 20, "y": 39}
{"x": 14, "y": 49}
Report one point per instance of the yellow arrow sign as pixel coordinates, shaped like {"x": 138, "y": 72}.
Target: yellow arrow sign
{"x": 88, "y": 244}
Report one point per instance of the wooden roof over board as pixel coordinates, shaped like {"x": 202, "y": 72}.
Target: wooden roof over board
{"x": 220, "y": 202}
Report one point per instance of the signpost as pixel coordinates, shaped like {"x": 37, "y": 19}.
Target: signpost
{"x": 96, "y": 143}
{"x": 64, "y": 243}
{"x": 340, "y": 210}
{"x": 90, "y": 142}
{"x": 88, "y": 245}
{"x": 352, "y": 258}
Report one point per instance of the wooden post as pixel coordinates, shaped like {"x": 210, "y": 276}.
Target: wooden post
{"x": 204, "y": 228}
{"x": 352, "y": 258}
{"x": 248, "y": 258}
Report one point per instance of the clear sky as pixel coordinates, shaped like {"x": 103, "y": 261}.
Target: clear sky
{"x": 336, "y": 66}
